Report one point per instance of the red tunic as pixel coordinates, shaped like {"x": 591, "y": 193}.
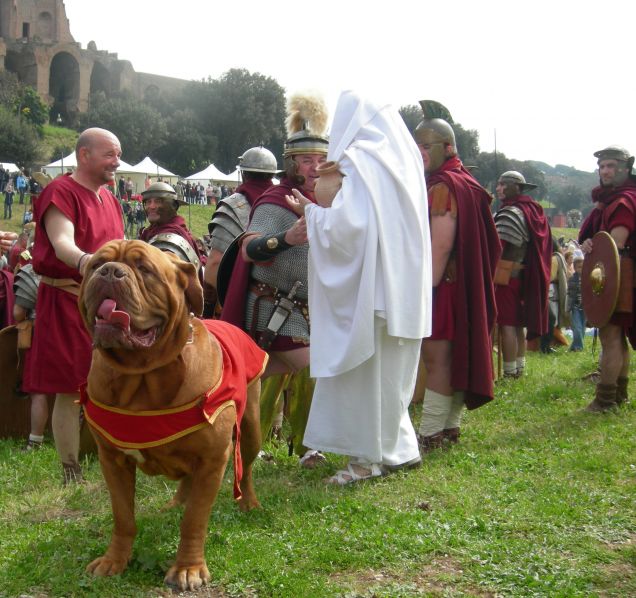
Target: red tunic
{"x": 476, "y": 252}
{"x": 60, "y": 354}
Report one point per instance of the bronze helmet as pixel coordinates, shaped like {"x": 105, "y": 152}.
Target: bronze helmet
{"x": 435, "y": 131}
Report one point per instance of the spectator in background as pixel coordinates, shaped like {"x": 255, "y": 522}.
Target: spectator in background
{"x": 8, "y": 201}
{"x": 121, "y": 187}
{"x": 575, "y": 303}
{"x": 129, "y": 188}
{"x": 21, "y": 185}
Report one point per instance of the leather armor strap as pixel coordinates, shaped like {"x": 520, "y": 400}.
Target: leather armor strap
{"x": 65, "y": 284}
{"x": 265, "y": 248}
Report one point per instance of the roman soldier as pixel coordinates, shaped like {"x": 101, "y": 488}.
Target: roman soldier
{"x": 614, "y": 215}
{"x": 465, "y": 250}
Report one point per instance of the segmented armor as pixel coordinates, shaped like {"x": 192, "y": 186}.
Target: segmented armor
{"x": 228, "y": 221}
{"x": 25, "y": 287}
{"x": 512, "y": 227}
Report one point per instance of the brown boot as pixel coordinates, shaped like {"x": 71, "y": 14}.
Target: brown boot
{"x": 604, "y": 399}
{"x": 621, "y": 391}
{"x": 451, "y": 435}
{"x": 72, "y": 473}
{"x": 430, "y": 443}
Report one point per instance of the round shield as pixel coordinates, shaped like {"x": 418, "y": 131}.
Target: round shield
{"x": 600, "y": 280}
{"x": 226, "y": 267}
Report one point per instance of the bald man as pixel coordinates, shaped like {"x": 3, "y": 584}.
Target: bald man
{"x": 76, "y": 214}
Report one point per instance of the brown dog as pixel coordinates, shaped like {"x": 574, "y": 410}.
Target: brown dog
{"x": 153, "y": 364}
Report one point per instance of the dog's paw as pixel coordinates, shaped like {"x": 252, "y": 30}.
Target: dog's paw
{"x": 104, "y": 566}
{"x": 247, "y": 503}
{"x": 187, "y": 578}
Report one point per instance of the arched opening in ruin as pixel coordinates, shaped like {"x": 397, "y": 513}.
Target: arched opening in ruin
{"x": 64, "y": 86}
{"x": 44, "y": 26}
{"x": 100, "y": 79}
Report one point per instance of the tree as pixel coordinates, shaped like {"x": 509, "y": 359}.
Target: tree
{"x": 19, "y": 141}
{"x": 241, "y": 110}
{"x": 568, "y": 197}
{"x": 466, "y": 140}
{"x": 187, "y": 149}
{"x": 29, "y": 106}
{"x": 411, "y": 115}
{"x": 140, "y": 128}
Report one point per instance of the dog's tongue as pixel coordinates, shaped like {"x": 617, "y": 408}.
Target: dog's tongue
{"x": 108, "y": 312}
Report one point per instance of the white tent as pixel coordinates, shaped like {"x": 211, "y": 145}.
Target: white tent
{"x": 10, "y": 166}
{"x": 211, "y": 173}
{"x": 152, "y": 169}
{"x": 71, "y": 162}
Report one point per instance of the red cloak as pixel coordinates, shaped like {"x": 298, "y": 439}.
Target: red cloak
{"x": 7, "y": 299}
{"x": 536, "y": 275}
{"x": 477, "y": 250}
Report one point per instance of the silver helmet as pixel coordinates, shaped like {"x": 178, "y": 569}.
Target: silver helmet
{"x": 258, "y": 159}
{"x": 161, "y": 190}
{"x": 512, "y": 176}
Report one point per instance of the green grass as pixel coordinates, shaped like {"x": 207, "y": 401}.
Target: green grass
{"x": 536, "y": 500}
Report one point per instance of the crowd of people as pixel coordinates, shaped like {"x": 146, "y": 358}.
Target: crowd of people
{"x": 374, "y": 251}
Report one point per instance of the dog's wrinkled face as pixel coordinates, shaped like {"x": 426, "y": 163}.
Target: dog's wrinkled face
{"x": 135, "y": 297}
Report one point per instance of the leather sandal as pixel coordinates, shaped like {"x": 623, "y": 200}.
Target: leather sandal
{"x": 311, "y": 459}
{"x": 351, "y": 476}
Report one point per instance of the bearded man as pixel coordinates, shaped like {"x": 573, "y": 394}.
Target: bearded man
{"x": 465, "y": 250}
{"x": 522, "y": 278}
{"x": 75, "y": 215}
{"x": 615, "y": 213}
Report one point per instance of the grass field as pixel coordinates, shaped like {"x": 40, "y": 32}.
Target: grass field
{"x": 536, "y": 500}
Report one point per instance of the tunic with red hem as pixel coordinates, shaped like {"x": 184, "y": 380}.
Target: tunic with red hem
{"x": 60, "y": 354}
{"x": 616, "y": 207}
{"x": 527, "y": 300}
{"x": 243, "y": 364}
{"x": 464, "y": 309}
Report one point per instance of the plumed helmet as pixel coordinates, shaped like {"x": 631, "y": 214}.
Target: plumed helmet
{"x": 435, "y": 131}
{"x": 177, "y": 245}
{"x": 512, "y": 176}
{"x": 161, "y": 190}
{"x": 306, "y": 125}
{"x": 258, "y": 159}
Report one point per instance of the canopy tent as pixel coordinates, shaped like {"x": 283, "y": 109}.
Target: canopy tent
{"x": 55, "y": 168}
{"x": 153, "y": 170}
{"x": 212, "y": 173}
{"x": 10, "y": 166}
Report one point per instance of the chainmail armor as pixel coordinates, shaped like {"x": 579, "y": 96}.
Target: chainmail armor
{"x": 285, "y": 269}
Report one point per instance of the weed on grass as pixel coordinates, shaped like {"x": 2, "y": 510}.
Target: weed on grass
{"x": 536, "y": 500}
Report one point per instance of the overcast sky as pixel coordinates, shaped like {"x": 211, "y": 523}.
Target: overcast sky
{"x": 553, "y": 78}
